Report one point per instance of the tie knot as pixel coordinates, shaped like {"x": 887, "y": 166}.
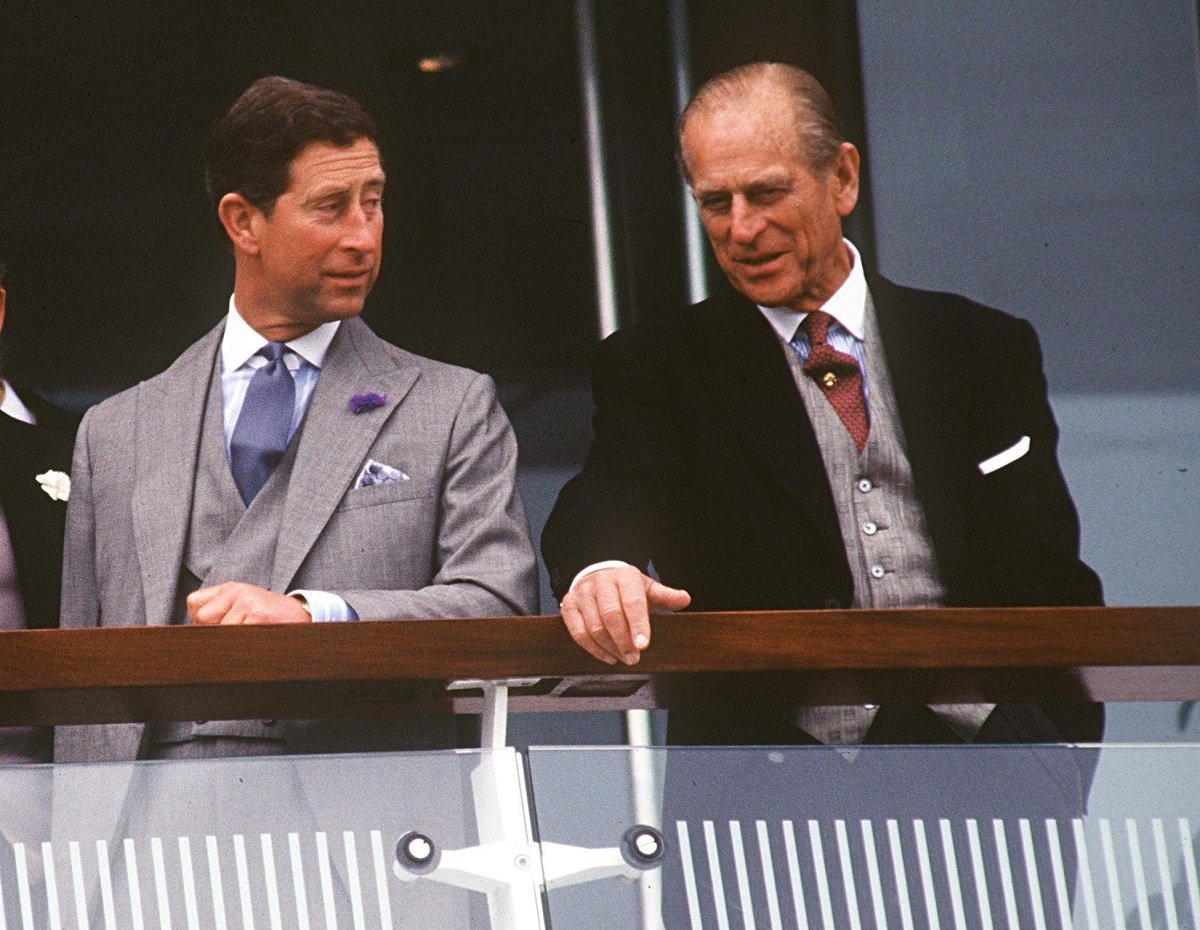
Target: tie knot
{"x": 816, "y": 327}
{"x": 272, "y": 351}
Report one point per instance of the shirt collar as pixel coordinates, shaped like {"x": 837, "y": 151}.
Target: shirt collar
{"x": 848, "y": 305}
{"x": 13, "y": 406}
{"x": 240, "y": 342}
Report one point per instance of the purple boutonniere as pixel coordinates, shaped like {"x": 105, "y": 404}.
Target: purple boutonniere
{"x": 368, "y": 400}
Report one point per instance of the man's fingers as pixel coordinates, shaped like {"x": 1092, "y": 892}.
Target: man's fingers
{"x": 661, "y": 597}
{"x": 619, "y": 603}
{"x": 238, "y": 603}
{"x": 636, "y": 613}
{"x": 208, "y": 606}
{"x": 577, "y": 627}
{"x": 600, "y": 606}
{"x": 197, "y": 601}
{"x": 203, "y": 596}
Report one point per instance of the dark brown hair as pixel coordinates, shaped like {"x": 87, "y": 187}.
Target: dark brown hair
{"x": 251, "y": 148}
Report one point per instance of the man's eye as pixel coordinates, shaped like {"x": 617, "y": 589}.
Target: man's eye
{"x": 767, "y": 194}
{"x": 714, "y": 204}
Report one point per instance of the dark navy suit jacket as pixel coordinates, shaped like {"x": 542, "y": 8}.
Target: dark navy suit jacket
{"x": 35, "y": 520}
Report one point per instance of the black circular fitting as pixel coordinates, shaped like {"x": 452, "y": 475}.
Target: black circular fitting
{"x": 417, "y": 853}
{"x": 643, "y": 847}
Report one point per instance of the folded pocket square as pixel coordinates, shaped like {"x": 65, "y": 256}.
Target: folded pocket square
{"x": 374, "y": 473}
{"x": 1007, "y": 457}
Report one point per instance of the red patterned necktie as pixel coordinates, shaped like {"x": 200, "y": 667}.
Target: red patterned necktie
{"x": 838, "y": 376}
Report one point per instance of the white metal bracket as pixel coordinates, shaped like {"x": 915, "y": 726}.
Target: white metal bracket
{"x": 507, "y": 865}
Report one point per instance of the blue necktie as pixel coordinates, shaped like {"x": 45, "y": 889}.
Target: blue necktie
{"x": 261, "y": 434}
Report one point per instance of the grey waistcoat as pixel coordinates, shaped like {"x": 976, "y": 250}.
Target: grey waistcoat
{"x": 227, "y": 542}
{"x": 883, "y": 527}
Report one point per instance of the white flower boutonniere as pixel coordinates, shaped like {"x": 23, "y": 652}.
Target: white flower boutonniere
{"x": 56, "y": 484}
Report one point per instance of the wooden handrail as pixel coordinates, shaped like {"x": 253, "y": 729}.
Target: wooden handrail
{"x": 396, "y": 667}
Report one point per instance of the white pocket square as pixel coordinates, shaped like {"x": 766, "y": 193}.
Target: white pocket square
{"x": 1007, "y": 457}
{"x": 374, "y": 473}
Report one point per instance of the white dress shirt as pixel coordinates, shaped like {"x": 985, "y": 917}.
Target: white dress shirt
{"x": 12, "y": 406}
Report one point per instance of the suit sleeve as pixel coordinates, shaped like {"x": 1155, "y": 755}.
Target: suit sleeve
{"x": 616, "y": 507}
{"x": 484, "y": 561}
{"x": 1031, "y": 555}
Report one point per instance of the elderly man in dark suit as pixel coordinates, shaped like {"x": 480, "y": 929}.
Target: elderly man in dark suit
{"x": 35, "y": 459}
{"x": 819, "y": 438}
{"x": 291, "y": 466}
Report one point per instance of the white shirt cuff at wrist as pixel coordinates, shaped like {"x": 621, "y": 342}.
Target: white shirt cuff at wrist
{"x": 325, "y": 606}
{"x": 611, "y": 563}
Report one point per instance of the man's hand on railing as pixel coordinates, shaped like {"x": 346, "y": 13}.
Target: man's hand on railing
{"x": 236, "y": 602}
{"x": 607, "y": 612}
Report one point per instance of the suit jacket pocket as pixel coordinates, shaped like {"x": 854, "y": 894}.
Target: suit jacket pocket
{"x": 1005, "y": 456}
{"x": 371, "y": 496}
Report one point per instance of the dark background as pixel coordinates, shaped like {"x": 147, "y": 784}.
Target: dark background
{"x": 1037, "y": 157}
{"x": 117, "y": 262}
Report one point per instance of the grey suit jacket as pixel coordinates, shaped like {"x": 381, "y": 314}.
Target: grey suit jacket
{"x": 453, "y": 540}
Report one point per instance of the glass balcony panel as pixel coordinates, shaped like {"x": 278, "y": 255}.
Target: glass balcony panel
{"x": 798, "y": 837}
{"x": 283, "y": 842}
{"x": 881, "y": 837}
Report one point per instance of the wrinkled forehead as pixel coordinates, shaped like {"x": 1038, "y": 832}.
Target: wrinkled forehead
{"x": 764, "y": 121}
{"x": 324, "y": 163}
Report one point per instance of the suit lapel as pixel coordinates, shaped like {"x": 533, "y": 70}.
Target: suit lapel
{"x": 334, "y": 441}
{"x": 739, "y": 356}
{"x": 170, "y": 414}
{"x": 932, "y": 400}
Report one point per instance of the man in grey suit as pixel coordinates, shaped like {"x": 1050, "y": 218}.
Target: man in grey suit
{"x": 291, "y": 466}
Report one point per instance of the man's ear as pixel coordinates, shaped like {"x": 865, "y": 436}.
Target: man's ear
{"x": 3, "y": 296}
{"x": 846, "y": 168}
{"x": 237, "y": 215}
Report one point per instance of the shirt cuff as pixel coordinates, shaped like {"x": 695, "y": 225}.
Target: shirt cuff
{"x": 611, "y": 563}
{"x": 325, "y": 606}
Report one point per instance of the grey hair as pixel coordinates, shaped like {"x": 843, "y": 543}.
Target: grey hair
{"x": 817, "y": 128}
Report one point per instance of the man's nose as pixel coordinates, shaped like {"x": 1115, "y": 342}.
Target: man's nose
{"x": 359, "y": 230}
{"x": 745, "y": 221}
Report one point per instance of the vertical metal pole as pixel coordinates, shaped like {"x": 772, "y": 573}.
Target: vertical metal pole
{"x": 505, "y": 823}
{"x": 502, "y": 816}
{"x": 494, "y": 725}
{"x": 647, "y": 789}
{"x": 693, "y": 232}
{"x": 589, "y": 77}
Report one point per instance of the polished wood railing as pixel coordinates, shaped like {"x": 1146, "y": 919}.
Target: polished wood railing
{"x": 397, "y": 667}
